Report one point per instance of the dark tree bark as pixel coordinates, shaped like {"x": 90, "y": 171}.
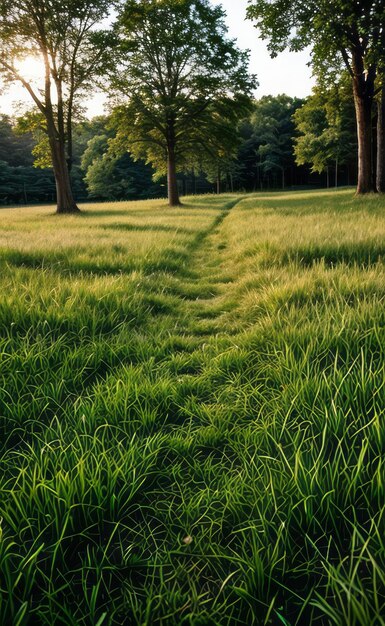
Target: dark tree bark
{"x": 70, "y": 150}
{"x": 64, "y": 197}
{"x": 57, "y": 135}
{"x": 172, "y": 183}
{"x": 364, "y": 134}
{"x": 363, "y": 91}
{"x": 194, "y": 182}
{"x": 380, "y": 179}
{"x": 219, "y": 181}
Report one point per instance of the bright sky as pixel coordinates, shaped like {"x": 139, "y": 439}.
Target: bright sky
{"x": 288, "y": 73}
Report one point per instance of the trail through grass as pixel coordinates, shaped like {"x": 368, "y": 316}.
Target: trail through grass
{"x": 192, "y": 413}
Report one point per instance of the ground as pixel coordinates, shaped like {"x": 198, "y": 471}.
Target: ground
{"x": 192, "y": 412}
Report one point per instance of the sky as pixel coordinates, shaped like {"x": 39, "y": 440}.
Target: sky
{"x": 288, "y": 73}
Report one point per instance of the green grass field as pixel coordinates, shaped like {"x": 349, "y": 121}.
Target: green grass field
{"x": 192, "y": 413}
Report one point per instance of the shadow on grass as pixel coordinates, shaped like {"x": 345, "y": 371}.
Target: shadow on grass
{"x": 214, "y": 203}
{"x": 146, "y": 228}
{"x": 89, "y": 213}
{"x": 104, "y": 213}
{"x": 170, "y": 259}
{"x": 62, "y": 263}
{"x": 362, "y": 255}
{"x": 67, "y": 264}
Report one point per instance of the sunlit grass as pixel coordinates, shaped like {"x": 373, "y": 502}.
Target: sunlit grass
{"x": 192, "y": 413}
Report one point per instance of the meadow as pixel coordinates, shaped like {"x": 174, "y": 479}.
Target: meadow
{"x": 192, "y": 413}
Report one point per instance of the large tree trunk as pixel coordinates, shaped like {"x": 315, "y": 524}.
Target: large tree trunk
{"x": 56, "y": 135}
{"x": 363, "y": 91}
{"x": 364, "y": 133}
{"x": 380, "y": 180}
{"x": 218, "y": 181}
{"x": 64, "y": 198}
{"x": 172, "y": 183}
{"x": 194, "y": 182}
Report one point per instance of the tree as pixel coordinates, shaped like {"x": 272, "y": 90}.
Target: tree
{"x": 380, "y": 174}
{"x": 325, "y": 124}
{"x": 341, "y": 31}
{"x": 19, "y": 181}
{"x": 273, "y": 131}
{"x": 24, "y": 184}
{"x": 14, "y": 148}
{"x": 113, "y": 177}
{"x": 73, "y": 52}
{"x": 183, "y": 78}
{"x": 266, "y": 153}
{"x": 215, "y": 143}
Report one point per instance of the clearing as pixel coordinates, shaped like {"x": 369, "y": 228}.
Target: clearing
{"x": 192, "y": 413}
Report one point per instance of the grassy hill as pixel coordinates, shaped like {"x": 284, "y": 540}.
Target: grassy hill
{"x": 192, "y": 413}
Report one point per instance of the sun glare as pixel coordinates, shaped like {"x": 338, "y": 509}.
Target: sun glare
{"x": 31, "y": 68}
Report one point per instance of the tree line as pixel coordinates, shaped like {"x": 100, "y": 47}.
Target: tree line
{"x": 345, "y": 37}
{"x": 283, "y": 142}
{"x": 182, "y": 94}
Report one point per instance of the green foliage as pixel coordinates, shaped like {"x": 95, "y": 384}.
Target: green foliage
{"x": 342, "y": 34}
{"x": 74, "y": 52}
{"x": 273, "y": 132}
{"x": 113, "y": 177}
{"x": 14, "y": 149}
{"x": 21, "y": 185}
{"x": 186, "y": 83}
{"x": 105, "y": 180}
{"x": 331, "y": 28}
{"x": 192, "y": 413}
{"x": 266, "y": 155}
{"x": 35, "y": 123}
{"x": 96, "y": 148}
{"x": 326, "y": 127}
{"x": 19, "y": 181}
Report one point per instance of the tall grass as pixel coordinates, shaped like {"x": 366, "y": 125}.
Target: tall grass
{"x": 192, "y": 413}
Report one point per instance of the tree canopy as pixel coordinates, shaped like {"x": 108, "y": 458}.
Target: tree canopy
{"x": 340, "y": 33}
{"x": 73, "y": 52}
{"x": 182, "y": 81}
{"x": 325, "y": 124}
{"x": 273, "y": 131}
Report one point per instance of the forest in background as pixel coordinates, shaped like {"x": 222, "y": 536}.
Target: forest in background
{"x": 182, "y": 98}
{"x": 284, "y": 143}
